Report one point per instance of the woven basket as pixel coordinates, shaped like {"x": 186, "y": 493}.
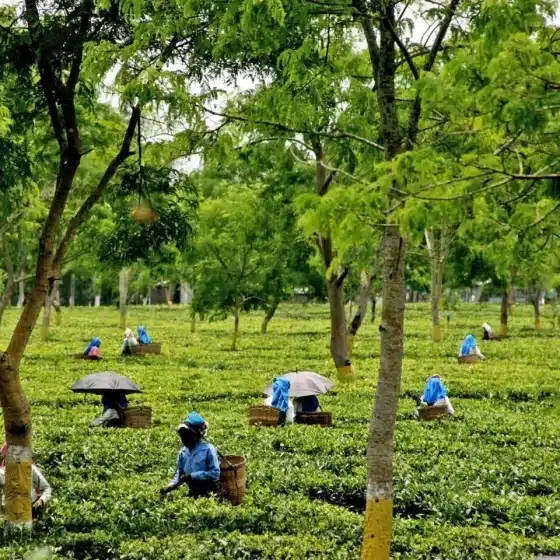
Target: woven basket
{"x": 86, "y": 357}
{"x": 432, "y": 412}
{"x": 264, "y": 416}
{"x": 150, "y": 348}
{"x": 137, "y": 417}
{"x": 470, "y": 359}
{"x": 232, "y": 478}
{"x": 315, "y": 418}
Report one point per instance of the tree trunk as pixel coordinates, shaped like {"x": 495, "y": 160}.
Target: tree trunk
{"x": 437, "y": 250}
{"x": 55, "y": 301}
{"x": 379, "y": 505}
{"x": 504, "y": 310}
{"x": 193, "y": 321}
{"x": 339, "y": 349}
{"x": 124, "y": 276}
{"x": 72, "y": 298}
{"x": 17, "y": 427}
{"x": 20, "y": 270}
{"x": 6, "y": 298}
{"x": 269, "y": 315}
{"x": 186, "y": 293}
{"x": 366, "y": 279}
{"x": 21, "y": 295}
{"x": 97, "y": 300}
{"x": 235, "y": 330}
{"x": 535, "y": 295}
{"x": 45, "y": 327}
{"x": 373, "y": 307}
{"x": 169, "y": 296}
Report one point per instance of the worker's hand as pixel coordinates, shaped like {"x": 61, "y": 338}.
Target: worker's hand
{"x": 38, "y": 504}
{"x": 166, "y": 490}
{"x": 185, "y": 479}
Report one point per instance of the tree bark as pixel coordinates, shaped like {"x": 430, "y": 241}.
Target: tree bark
{"x": 169, "y": 296}
{"x": 6, "y": 298}
{"x": 335, "y": 283}
{"x": 186, "y": 293}
{"x": 339, "y": 347}
{"x": 235, "y": 330}
{"x": 193, "y": 322}
{"x": 535, "y": 295}
{"x": 438, "y": 249}
{"x": 124, "y": 276}
{"x": 366, "y": 278}
{"x": 269, "y": 315}
{"x": 504, "y": 310}
{"x": 379, "y": 505}
{"x": 21, "y": 295}
{"x": 97, "y": 300}
{"x": 72, "y": 298}
{"x": 55, "y": 301}
{"x": 373, "y": 306}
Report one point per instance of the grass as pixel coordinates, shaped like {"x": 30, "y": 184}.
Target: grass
{"x": 482, "y": 486}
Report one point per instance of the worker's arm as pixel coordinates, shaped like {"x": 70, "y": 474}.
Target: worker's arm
{"x": 177, "y": 479}
{"x": 212, "y": 471}
{"x": 41, "y": 485}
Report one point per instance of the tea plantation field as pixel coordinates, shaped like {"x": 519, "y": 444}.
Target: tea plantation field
{"x": 485, "y": 485}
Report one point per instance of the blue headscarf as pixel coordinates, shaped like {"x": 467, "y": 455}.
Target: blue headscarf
{"x": 95, "y": 343}
{"x": 468, "y": 346}
{"x": 434, "y": 390}
{"x": 280, "y": 394}
{"x": 194, "y": 422}
{"x": 143, "y": 337}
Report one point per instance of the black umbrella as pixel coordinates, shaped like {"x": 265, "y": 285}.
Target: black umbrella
{"x": 100, "y": 383}
{"x": 304, "y": 384}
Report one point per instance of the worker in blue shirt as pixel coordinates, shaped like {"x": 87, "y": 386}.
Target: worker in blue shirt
{"x": 198, "y": 465}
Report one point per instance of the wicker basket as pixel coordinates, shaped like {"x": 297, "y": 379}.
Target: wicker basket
{"x": 150, "y": 348}
{"x": 432, "y": 412}
{"x": 470, "y": 359}
{"x": 137, "y": 417}
{"x": 83, "y": 356}
{"x": 315, "y": 418}
{"x": 232, "y": 478}
{"x": 264, "y": 416}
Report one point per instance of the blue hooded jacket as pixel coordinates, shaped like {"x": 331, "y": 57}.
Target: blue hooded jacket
{"x": 434, "y": 390}
{"x": 468, "y": 346}
{"x": 280, "y": 394}
{"x": 95, "y": 343}
{"x": 143, "y": 337}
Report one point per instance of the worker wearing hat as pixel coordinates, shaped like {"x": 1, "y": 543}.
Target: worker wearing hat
{"x": 198, "y": 465}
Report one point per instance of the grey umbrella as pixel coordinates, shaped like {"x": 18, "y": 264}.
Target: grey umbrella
{"x": 304, "y": 384}
{"x": 100, "y": 383}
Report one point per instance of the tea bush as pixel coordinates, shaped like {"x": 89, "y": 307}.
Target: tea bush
{"x": 484, "y": 485}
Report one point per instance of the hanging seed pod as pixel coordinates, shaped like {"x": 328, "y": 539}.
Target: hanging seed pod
{"x": 144, "y": 214}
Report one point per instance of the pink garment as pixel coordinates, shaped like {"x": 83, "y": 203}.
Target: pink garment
{"x": 94, "y": 352}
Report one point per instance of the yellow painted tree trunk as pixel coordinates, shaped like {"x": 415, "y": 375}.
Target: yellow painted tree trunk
{"x": 379, "y": 505}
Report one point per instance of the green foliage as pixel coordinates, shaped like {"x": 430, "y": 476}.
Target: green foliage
{"x": 485, "y": 483}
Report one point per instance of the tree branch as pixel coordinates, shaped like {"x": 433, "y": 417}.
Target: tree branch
{"x": 83, "y": 213}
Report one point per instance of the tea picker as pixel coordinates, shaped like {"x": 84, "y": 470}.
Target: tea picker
{"x": 113, "y": 388}
{"x": 304, "y": 388}
{"x": 434, "y": 402}
{"x": 92, "y": 352}
{"x": 198, "y": 465}
{"x": 469, "y": 352}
